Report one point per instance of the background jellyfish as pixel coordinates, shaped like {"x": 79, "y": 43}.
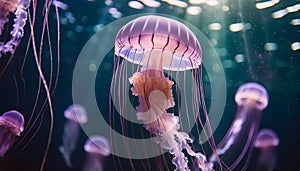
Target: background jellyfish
{"x": 75, "y": 115}
{"x": 266, "y": 141}
{"x": 96, "y": 147}
{"x": 251, "y": 99}
{"x": 11, "y": 126}
{"x": 156, "y": 44}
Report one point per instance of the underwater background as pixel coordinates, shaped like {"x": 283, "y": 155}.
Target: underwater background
{"x": 254, "y": 45}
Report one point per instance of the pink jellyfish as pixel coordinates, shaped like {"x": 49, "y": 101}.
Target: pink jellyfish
{"x": 75, "y": 115}
{"x": 266, "y": 141}
{"x": 96, "y": 147}
{"x": 11, "y": 126}
{"x": 157, "y": 44}
{"x": 251, "y": 99}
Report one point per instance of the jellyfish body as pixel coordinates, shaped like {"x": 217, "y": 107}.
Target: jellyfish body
{"x": 96, "y": 148}
{"x": 11, "y": 126}
{"x": 155, "y": 43}
{"x": 251, "y": 99}
{"x": 75, "y": 115}
{"x": 266, "y": 141}
{"x": 19, "y": 8}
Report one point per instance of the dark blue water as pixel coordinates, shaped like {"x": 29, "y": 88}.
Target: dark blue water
{"x": 243, "y": 55}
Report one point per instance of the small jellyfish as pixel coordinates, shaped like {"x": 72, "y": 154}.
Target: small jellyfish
{"x": 266, "y": 141}
{"x": 19, "y": 8}
{"x": 76, "y": 115}
{"x": 11, "y": 126}
{"x": 251, "y": 99}
{"x": 96, "y": 147}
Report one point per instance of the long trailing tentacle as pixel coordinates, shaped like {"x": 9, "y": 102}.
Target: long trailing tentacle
{"x": 155, "y": 97}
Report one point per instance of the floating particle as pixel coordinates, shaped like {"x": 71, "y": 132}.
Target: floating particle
{"x": 114, "y": 12}
{"x": 108, "y": 2}
{"x": 216, "y": 67}
{"x": 271, "y": 46}
{"x": 236, "y": 27}
{"x": 193, "y": 10}
{"x": 151, "y": 3}
{"x": 225, "y": 8}
{"x": 79, "y": 28}
{"x": 212, "y": 3}
{"x": 177, "y": 3}
{"x": 117, "y": 15}
{"x": 283, "y": 12}
{"x": 135, "y": 5}
{"x": 295, "y": 46}
{"x": 197, "y": 1}
{"x": 213, "y": 42}
{"x": 70, "y": 17}
{"x": 239, "y": 58}
{"x": 279, "y": 14}
{"x": 93, "y": 67}
{"x": 295, "y": 22}
{"x": 294, "y": 8}
{"x": 215, "y": 26}
{"x": 267, "y": 4}
{"x": 98, "y": 27}
{"x": 228, "y": 63}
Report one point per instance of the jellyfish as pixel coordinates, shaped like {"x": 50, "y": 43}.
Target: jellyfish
{"x": 11, "y": 126}
{"x": 38, "y": 53}
{"x": 251, "y": 98}
{"x": 158, "y": 45}
{"x": 18, "y": 7}
{"x": 75, "y": 115}
{"x": 266, "y": 141}
{"x": 97, "y": 147}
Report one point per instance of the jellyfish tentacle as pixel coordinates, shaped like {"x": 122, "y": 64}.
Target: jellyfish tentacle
{"x": 201, "y": 160}
{"x": 2, "y": 23}
{"x": 18, "y": 28}
{"x": 6, "y": 141}
{"x": 70, "y": 136}
{"x": 155, "y": 97}
{"x": 231, "y": 138}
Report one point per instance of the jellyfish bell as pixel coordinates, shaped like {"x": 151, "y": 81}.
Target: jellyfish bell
{"x": 266, "y": 138}
{"x": 266, "y": 141}
{"x": 75, "y": 115}
{"x": 14, "y": 120}
{"x": 252, "y": 94}
{"x": 97, "y": 147}
{"x": 11, "y": 126}
{"x": 155, "y": 44}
